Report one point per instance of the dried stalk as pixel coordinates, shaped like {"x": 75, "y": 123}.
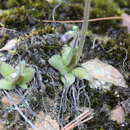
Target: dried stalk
{"x": 87, "y": 115}
{"x": 84, "y": 28}
{"x": 80, "y": 21}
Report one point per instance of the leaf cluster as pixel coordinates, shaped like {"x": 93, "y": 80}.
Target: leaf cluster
{"x": 18, "y": 76}
{"x": 62, "y": 64}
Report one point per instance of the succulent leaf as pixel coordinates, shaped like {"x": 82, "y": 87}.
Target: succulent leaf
{"x": 28, "y": 74}
{"x": 24, "y": 86}
{"x": 67, "y": 55}
{"x": 68, "y": 79}
{"x": 81, "y": 73}
{"x": 6, "y": 69}
{"x": 57, "y": 62}
{"x": 4, "y": 84}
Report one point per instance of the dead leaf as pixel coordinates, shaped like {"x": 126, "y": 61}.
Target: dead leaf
{"x": 9, "y": 45}
{"x": 126, "y": 21}
{"x": 118, "y": 114}
{"x": 44, "y": 122}
{"x": 104, "y": 73}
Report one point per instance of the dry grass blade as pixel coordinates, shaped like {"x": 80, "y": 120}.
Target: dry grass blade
{"x": 87, "y": 115}
{"x": 80, "y": 21}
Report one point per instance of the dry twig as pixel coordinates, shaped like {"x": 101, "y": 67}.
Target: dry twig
{"x": 80, "y": 21}
{"x": 87, "y": 115}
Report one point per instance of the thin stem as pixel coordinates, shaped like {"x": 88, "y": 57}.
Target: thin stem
{"x": 84, "y": 28}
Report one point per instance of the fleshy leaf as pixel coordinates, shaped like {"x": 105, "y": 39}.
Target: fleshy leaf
{"x": 81, "y": 73}
{"x": 12, "y": 76}
{"x": 57, "y": 62}
{"x": 28, "y": 74}
{"x": 68, "y": 79}
{"x": 24, "y": 86}
{"x": 6, "y": 69}
{"x": 75, "y": 28}
{"x": 4, "y": 84}
{"x": 67, "y": 55}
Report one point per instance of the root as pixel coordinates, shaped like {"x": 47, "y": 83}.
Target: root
{"x": 73, "y": 97}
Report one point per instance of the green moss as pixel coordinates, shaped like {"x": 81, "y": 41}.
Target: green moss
{"x": 117, "y": 46}
{"x": 104, "y": 8}
{"x": 24, "y": 13}
{"x": 15, "y": 18}
{"x": 28, "y": 3}
{"x": 34, "y": 8}
{"x": 15, "y": 3}
{"x": 122, "y": 3}
{"x": 47, "y": 29}
{"x": 101, "y": 98}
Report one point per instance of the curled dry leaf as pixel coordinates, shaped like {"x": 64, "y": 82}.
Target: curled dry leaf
{"x": 103, "y": 73}
{"x": 9, "y": 45}
{"x": 126, "y": 21}
{"x": 44, "y": 122}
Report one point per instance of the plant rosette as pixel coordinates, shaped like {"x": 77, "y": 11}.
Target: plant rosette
{"x": 18, "y": 76}
{"x": 61, "y": 62}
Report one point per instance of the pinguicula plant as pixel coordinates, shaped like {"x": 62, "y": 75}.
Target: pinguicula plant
{"x": 63, "y": 63}
{"x": 18, "y": 76}
{"x": 66, "y": 62}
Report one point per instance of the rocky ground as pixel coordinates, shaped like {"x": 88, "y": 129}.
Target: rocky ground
{"x": 38, "y": 41}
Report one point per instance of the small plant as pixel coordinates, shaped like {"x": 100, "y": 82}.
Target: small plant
{"x": 63, "y": 64}
{"x": 18, "y": 76}
{"x": 66, "y": 62}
